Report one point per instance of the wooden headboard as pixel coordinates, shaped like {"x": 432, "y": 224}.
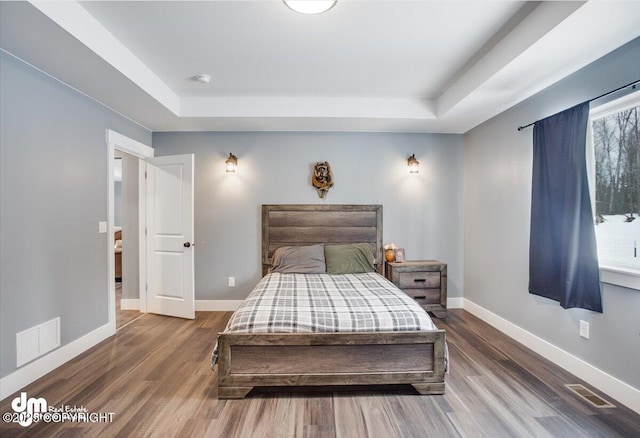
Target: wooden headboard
{"x": 295, "y": 225}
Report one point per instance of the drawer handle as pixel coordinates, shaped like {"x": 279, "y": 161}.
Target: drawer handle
{"x": 419, "y": 280}
{"x": 421, "y": 297}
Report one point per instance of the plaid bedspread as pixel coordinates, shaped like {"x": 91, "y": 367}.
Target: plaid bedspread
{"x": 322, "y": 303}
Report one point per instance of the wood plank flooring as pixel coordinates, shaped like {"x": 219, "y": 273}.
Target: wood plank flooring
{"x": 154, "y": 375}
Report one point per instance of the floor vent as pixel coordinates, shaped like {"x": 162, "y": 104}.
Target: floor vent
{"x": 588, "y": 395}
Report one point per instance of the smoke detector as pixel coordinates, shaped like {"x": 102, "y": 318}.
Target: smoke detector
{"x": 202, "y": 78}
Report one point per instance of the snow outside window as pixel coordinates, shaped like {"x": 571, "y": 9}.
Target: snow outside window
{"x": 615, "y": 182}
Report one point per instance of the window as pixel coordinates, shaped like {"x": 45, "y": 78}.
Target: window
{"x": 615, "y": 130}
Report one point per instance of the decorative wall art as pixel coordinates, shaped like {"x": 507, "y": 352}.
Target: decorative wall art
{"x": 322, "y": 178}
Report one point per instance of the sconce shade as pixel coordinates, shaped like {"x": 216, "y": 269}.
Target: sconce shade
{"x": 414, "y": 165}
{"x": 231, "y": 163}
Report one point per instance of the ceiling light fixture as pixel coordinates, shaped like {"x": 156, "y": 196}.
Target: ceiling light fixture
{"x": 202, "y": 78}
{"x": 310, "y": 7}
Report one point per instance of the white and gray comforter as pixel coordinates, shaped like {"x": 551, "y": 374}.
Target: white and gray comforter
{"x": 322, "y": 303}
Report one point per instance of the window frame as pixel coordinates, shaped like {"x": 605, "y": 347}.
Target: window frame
{"x": 610, "y": 273}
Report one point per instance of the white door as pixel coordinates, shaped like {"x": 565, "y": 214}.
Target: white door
{"x": 170, "y": 275}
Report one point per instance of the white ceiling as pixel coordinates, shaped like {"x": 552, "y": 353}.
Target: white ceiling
{"x": 399, "y": 66}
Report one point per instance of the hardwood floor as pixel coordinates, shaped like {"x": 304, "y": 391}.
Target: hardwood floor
{"x": 154, "y": 376}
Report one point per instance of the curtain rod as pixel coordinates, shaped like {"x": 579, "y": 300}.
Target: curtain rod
{"x": 632, "y": 85}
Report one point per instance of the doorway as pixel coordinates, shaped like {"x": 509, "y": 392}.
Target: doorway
{"x": 164, "y": 225}
{"x": 126, "y": 237}
{"x": 131, "y": 218}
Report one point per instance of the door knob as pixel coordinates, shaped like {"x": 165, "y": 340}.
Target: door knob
{"x": 187, "y": 244}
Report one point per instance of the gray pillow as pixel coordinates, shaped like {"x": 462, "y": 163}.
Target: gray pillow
{"x": 299, "y": 260}
{"x": 353, "y": 258}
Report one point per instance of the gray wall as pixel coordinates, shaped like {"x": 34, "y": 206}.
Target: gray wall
{"x": 497, "y": 197}
{"x": 53, "y": 192}
{"x": 422, "y": 213}
{"x": 130, "y": 229}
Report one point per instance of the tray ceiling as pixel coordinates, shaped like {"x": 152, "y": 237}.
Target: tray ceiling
{"x": 398, "y": 66}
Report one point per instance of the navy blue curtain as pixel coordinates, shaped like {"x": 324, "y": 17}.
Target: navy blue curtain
{"x": 563, "y": 260}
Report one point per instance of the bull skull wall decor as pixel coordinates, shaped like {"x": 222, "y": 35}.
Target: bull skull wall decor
{"x": 322, "y": 178}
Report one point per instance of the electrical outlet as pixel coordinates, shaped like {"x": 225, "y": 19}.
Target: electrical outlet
{"x": 584, "y": 329}
{"x": 102, "y": 227}
{"x": 232, "y": 281}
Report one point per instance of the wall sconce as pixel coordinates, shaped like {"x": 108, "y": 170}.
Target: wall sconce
{"x": 231, "y": 163}
{"x": 414, "y": 165}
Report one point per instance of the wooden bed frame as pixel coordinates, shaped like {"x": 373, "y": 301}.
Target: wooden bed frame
{"x": 247, "y": 360}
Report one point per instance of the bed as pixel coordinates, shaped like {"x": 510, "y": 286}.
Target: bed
{"x": 274, "y": 355}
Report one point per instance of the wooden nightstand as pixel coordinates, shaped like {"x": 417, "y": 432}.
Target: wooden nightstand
{"x": 423, "y": 280}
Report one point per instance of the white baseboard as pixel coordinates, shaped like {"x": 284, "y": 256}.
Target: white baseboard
{"x": 201, "y": 305}
{"x": 217, "y": 305}
{"x": 613, "y": 387}
{"x": 130, "y": 304}
{"x": 455, "y": 303}
{"x": 39, "y": 367}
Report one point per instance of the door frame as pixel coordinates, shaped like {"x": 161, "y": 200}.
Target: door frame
{"x": 115, "y": 140}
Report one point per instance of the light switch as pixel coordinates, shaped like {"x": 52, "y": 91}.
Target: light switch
{"x": 102, "y": 227}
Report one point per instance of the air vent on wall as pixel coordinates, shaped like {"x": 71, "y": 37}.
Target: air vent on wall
{"x": 36, "y": 341}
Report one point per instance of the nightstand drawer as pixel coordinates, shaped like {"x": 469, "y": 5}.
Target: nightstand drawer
{"x": 423, "y": 280}
{"x": 424, "y": 296}
{"x": 419, "y": 280}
